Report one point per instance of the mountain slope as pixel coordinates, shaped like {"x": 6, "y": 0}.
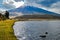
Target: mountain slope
{"x": 33, "y": 10}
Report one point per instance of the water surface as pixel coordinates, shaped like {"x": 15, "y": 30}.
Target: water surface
{"x": 31, "y": 30}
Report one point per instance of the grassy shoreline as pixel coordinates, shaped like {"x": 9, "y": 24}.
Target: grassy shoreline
{"x": 6, "y": 30}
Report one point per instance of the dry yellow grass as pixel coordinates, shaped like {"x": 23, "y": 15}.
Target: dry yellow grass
{"x": 6, "y": 30}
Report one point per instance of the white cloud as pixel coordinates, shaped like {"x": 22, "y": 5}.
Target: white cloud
{"x": 18, "y": 4}
{"x": 1, "y": 10}
{"x": 55, "y": 7}
{"x": 55, "y": 10}
{"x": 32, "y": 1}
{"x": 14, "y": 14}
{"x": 11, "y": 4}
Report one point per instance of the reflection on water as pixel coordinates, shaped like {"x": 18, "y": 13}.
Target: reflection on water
{"x": 31, "y": 30}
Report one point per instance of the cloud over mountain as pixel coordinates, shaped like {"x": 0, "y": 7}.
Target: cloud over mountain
{"x": 50, "y": 5}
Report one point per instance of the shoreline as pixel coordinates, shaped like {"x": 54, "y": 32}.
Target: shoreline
{"x": 13, "y": 30}
{"x": 37, "y": 19}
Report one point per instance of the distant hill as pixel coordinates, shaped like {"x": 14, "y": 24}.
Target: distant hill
{"x": 33, "y": 10}
{"x": 33, "y": 16}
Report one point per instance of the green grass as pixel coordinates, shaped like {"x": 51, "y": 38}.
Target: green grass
{"x": 6, "y": 30}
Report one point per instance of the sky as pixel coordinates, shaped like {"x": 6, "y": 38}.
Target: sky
{"x": 50, "y": 5}
{"x": 10, "y": 4}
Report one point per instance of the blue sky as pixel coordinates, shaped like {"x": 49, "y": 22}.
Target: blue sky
{"x": 50, "y": 5}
